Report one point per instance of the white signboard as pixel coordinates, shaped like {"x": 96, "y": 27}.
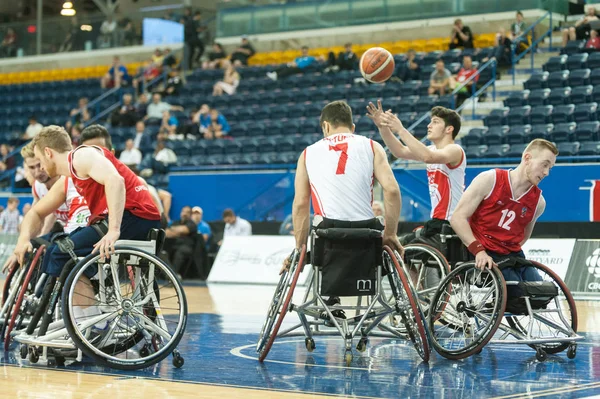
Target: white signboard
{"x": 552, "y": 252}
{"x": 253, "y": 259}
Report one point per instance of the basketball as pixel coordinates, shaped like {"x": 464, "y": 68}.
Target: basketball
{"x": 377, "y": 65}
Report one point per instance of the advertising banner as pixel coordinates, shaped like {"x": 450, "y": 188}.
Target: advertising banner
{"x": 584, "y": 270}
{"x": 552, "y": 252}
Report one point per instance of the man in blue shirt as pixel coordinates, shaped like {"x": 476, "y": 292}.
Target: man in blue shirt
{"x": 203, "y": 227}
{"x": 219, "y": 126}
{"x": 295, "y": 67}
{"x": 116, "y": 76}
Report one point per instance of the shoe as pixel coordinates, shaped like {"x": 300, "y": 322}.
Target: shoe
{"x": 333, "y": 300}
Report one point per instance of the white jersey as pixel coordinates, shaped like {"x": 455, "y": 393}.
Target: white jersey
{"x": 340, "y": 172}
{"x": 74, "y": 213}
{"x": 62, "y": 213}
{"x": 446, "y": 186}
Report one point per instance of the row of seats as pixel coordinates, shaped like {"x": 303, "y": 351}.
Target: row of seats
{"x": 520, "y": 134}
{"x": 557, "y": 96}
{"x": 62, "y": 85}
{"x": 542, "y": 114}
{"x": 563, "y": 78}
{"x": 573, "y": 61}
{"x": 590, "y": 148}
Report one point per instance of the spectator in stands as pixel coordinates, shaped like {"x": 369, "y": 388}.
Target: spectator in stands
{"x": 502, "y": 51}
{"x": 203, "y": 227}
{"x": 201, "y": 119}
{"x": 32, "y": 129}
{"x": 593, "y": 41}
{"x": 131, "y": 156}
{"x": 108, "y": 34}
{"x": 75, "y": 133}
{"x": 174, "y": 84}
{"x": 6, "y": 162}
{"x": 230, "y": 82}
{"x": 378, "y": 208}
{"x": 169, "y": 60}
{"x": 235, "y": 225}
{"x": 181, "y": 240}
{"x": 461, "y": 77}
{"x": 156, "y": 110}
{"x": 241, "y": 54}
{"x": 10, "y": 218}
{"x": 439, "y": 81}
{"x": 141, "y": 105}
{"x": 8, "y": 47}
{"x": 158, "y": 57}
{"x": 193, "y": 28}
{"x": 127, "y": 34}
{"x": 582, "y": 28}
{"x": 219, "y": 126}
{"x": 165, "y": 156}
{"x": 517, "y": 29}
{"x": 146, "y": 74}
{"x": 461, "y": 36}
{"x": 346, "y": 60}
{"x": 295, "y": 67}
{"x": 169, "y": 125}
{"x": 126, "y": 115}
{"x": 116, "y": 76}
{"x": 142, "y": 139}
{"x": 215, "y": 57}
{"x": 81, "y": 113}
{"x": 409, "y": 70}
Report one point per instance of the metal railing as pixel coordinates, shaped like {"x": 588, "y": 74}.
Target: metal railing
{"x": 534, "y": 42}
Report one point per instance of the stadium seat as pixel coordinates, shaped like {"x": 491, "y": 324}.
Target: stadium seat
{"x": 538, "y": 80}
{"x": 582, "y": 94}
{"x": 475, "y": 152}
{"x": 497, "y": 117}
{"x": 560, "y": 96}
{"x": 577, "y": 61}
{"x": 411, "y": 87}
{"x": 556, "y": 63}
{"x": 589, "y": 148}
{"x": 497, "y": 151}
{"x": 593, "y": 61}
{"x": 579, "y": 77}
{"x": 539, "y": 97}
{"x": 495, "y": 135}
{"x": 516, "y": 150}
{"x": 540, "y": 132}
{"x": 563, "y": 113}
{"x": 519, "y": 115}
{"x": 573, "y": 47}
{"x": 425, "y": 103}
{"x": 267, "y": 144}
{"x": 541, "y": 114}
{"x": 558, "y": 79}
{"x": 595, "y": 77}
{"x": 587, "y": 131}
{"x": 517, "y": 99}
{"x": 568, "y": 149}
{"x": 563, "y": 132}
{"x": 517, "y": 134}
{"x": 586, "y": 112}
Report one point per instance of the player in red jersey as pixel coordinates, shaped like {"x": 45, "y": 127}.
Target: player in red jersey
{"x": 496, "y": 214}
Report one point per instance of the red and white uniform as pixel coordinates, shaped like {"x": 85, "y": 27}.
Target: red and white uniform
{"x": 446, "y": 186}
{"x": 500, "y": 220}
{"x": 137, "y": 197}
{"x": 340, "y": 172}
{"x": 62, "y": 213}
{"x": 74, "y": 213}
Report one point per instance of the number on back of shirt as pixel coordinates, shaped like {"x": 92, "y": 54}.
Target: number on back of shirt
{"x": 507, "y": 218}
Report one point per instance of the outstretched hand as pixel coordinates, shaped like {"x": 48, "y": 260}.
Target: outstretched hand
{"x": 389, "y": 120}
{"x": 375, "y": 113}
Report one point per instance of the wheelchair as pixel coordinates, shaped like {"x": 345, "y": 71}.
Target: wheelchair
{"x": 141, "y": 309}
{"x": 348, "y": 260}
{"x": 473, "y": 307}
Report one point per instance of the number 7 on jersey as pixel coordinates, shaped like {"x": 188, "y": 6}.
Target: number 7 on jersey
{"x": 343, "y": 148}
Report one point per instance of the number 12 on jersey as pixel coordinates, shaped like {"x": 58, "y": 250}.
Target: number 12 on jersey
{"x": 507, "y": 218}
{"x": 343, "y": 148}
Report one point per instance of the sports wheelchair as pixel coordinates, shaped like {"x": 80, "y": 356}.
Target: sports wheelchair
{"x": 347, "y": 259}
{"x": 472, "y": 307}
{"x": 140, "y": 308}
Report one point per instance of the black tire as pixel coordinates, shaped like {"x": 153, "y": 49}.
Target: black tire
{"x": 98, "y": 354}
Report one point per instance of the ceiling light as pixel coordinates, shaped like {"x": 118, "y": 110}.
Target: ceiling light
{"x": 67, "y": 12}
{"x": 67, "y": 4}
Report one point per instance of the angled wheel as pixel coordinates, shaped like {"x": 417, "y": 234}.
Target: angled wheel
{"x": 467, "y": 310}
{"x": 280, "y": 304}
{"x": 407, "y": 304}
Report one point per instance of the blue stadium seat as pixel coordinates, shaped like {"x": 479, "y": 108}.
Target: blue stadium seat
{"x": 538, "y": 80}
{"x": 407, "y": 118}
{"x": 558, "y": 79}
{"x": 579, "y": 77}
{"x": 496, "y": 117}
{"x": 517, "y": 134}
{"x": 391, "y": 89}
{"x": 248, "y": 145}
{"x": 573, "y": 47}
{"x": 267, "y": 144}
{"x": 445, "y": 101}
{"x": 517, "y": 98}
{"x": 406, "y": 104}
{"x": 495, "y": 135}
{"x": 475, "y": 152}
{"x": 474, "y": 137}
{"x": 577, "y": 61}
{"x": 568, "y": 149}
{"x": 556, "y": 63}
{"x": 519, "y": 115}
{"x": 314, "y": 110}
{"x": 263, "y": 112}
{"x": 310, "y": 126}
{"x": 563, "y": 132}
{"x": 595, "y": 77}
{"x": 560, "y": 96}
{"x": 411, "y": 87}
{"x": 451, "y": 56}
{"x": 589, "y": 148}
{"x": 301, "y": 96}
{"x": 432, "y": 57}
{"x": 540, "y": 132}
{"x": 587, "y": 131}
{"x": 288, "y": 157}
{"x": 582, "y": 94}
{"x": 285, "y": 143}
{"x": 563, "y": 113}
{"x": 516, "y": 150}
{"x": 215, "y": 147}
{"x": 586, "y": 112}
{"x": 425, "y": 103}
{"x": 497, "y": 151}
{"x": 232, "y": 147}
{"x": 539, "y": 97}
{"x": 593, "y": 61}
{"x": 541, "y": 114}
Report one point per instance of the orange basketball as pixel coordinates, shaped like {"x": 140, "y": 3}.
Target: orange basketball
{"x": 377, "y": 65}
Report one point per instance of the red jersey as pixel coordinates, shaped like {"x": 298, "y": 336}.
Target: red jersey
{"x": 500, "y": 220}
{"x": 138, "y": 200}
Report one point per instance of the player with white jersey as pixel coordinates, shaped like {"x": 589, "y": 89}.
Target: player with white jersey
{"x": 337, "y": 174}
{"x": 446, "y": 162}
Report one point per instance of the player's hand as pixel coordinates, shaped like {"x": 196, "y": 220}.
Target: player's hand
{"x": 20, "y": 250}
{"x": 483, "y": 261}
{"x": 388, "y": 119}
{"x": 393, "y": 242}
{"x": 374, "y": 113}
{"x": 10, "y": 263}
{"x": 287, "y": 262}
{"x": 106, "y": 245}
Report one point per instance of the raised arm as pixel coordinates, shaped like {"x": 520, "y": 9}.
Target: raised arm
{"x": 398, "y": 149}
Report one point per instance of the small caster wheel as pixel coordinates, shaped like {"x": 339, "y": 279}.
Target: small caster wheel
{"x": 178, "y": 361}
{"x": 145, "y": 351}
{"x": 541, "y": 355}
{"x": 348, "y": 358}
{"x": 33, "y": 356}
{"x": 51, "y": 362}
{"x": 310, "y": 344}
{"x": 23, "y": 351}
{"x": 362, "y": 344}
{"x": 572, "y": 351}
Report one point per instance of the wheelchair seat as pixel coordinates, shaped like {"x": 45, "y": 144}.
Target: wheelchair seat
{"x": 540, "y": 293}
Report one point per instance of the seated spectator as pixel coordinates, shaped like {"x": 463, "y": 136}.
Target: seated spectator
{"x": 156, "y": 110}
{"x": 32, "y": 129}
{"x": 235, "y": 225}
{"x": 593, "y": 42}
{"x": 174, "y": 84}
{"x": 241, "y": 54}
{"x": 116, "y": 76}
{"x": 378, "y": 208}
{"x": 230, "y": 82}
{"x": 142, "y": 139}
{"x": 169, "y": 60}
{"x": 81, "y": 113}
{"x": 146, "y": 74}
{"x": 75, "y": 133}
{"x": 582, "y": 28}
{"x": 439, "y": 81}
{"x": 295, "y": 67}
{"x": 180, "y": 240}
{"x": 6, "y": 162}
{"x": 345, "y": 60}
{"x": 158, "y": 57}
{"x": 131, "y": 156}
{"x": 502, "y": 51}
{"x": 8, "y": 47}
{"x": 169, "y": 125}
{"x": 201, "y": 119}
{"x": 218, "y": 126}
{"x": 10, "y": 218}
{"x": 203, "y": 227}
{"x": 215, "y": 57}
{"x": 108, "y": 34}
{"x": 409, "y": 70}
{"x": 141, "y": 105}
{"x": 517, "y": 29}
{"x": 126, "y": 115}
{"x": 164, "y": 155}
{"x": 461, "y": 36}
{"x": 463, "y": 75}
